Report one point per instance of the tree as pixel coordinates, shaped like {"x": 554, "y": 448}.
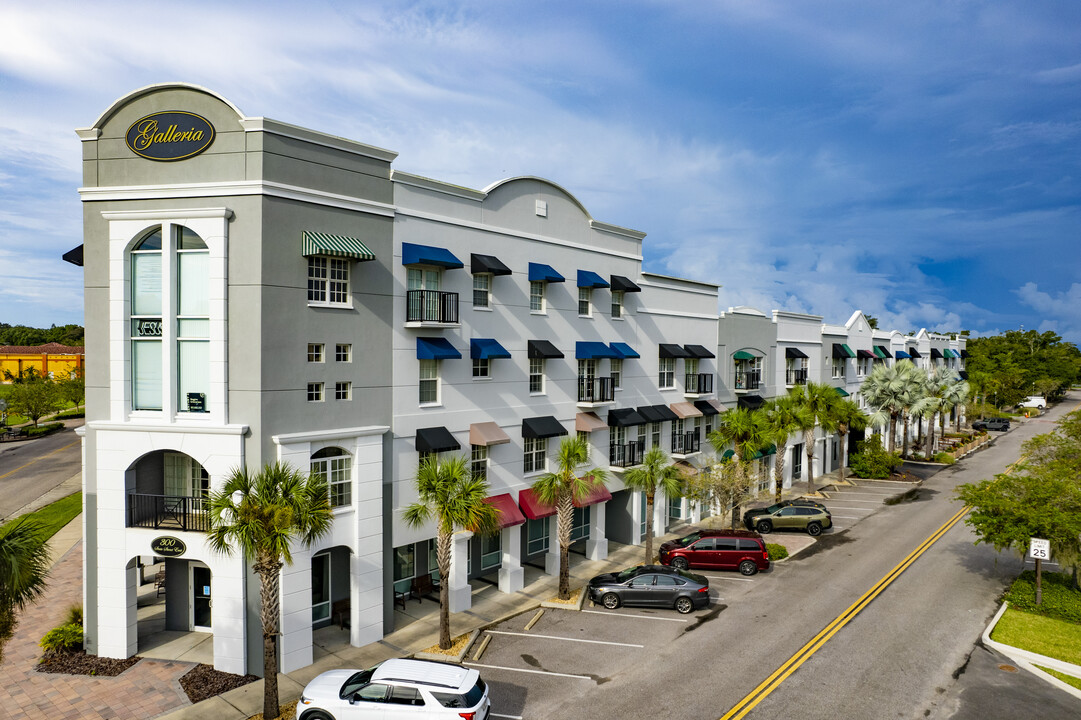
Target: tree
{"x": 560, "y": 489}
{"x": 723, "y": 482}
{"x": 33, "y": 396}
{"x": 783, "y": 417}
{"x": 816, "y": 400}
{"x": 889, "y": 389}
{"x": 451, "y": 495}
{"x": 943, "y": 390}
{"x": 746, "y": 431}
{"x": 655, "y": 473}
{"x": 843, "y": 417}
{"x": 72, "y": 389}
{"x": 24, "y": 564}
{"x": 262, "y": 515}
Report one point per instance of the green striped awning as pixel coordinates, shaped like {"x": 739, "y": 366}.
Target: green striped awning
{"x": 316, "y": 243}
{"x": 728, "y": 454}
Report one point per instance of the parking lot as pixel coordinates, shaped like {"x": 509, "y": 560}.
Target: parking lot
{"x": 849, "y": 505}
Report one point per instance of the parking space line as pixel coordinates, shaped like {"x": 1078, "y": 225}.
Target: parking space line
{"x": 722, "y": 577}
{"x": 848, "y": 517}
{"x": 511, "y": 717}
{"x": 836, "y": 507}
{"x": 626, "y": 615}
{"x": 525, "y": 670}
{"x": 568, "y": 639}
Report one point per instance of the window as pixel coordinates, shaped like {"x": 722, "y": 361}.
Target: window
{"x": 482, "y": 290}
{"x": 675, "y": 508}
{"x": 708, "y": 425}
{"x": 429, "y": 382}
{"x": 690, "y": 369}
{"x": 580, "y": 524}
{"x": 315, "y": 352}
{"x": 642, "y": 437}
{"x": 320, "y": 587}
{"x": 536, "y": 296}
{"x": 334, "y": 466}
{"x": 343, "y": 391}
{"x": 583, "y": 437}
{"x": 536, "y": 455}
{"x": 536, "y": 376}
{"x": 536, "y": 536}
{"x": 838, "y": 367}
{"x": 146, "y": 323}
{"x": 762, "y": 471}
{"x": 481, "y": 368}
{"x": 405, "y": 562}
{"x": 328, "y": 281}
{"x": 343, "y": 353}
{"x": 616, "y": 371}
{"x": 655, "y": 432}
{"x": 642, "y": 514}
{"x": 667, "y": 374}
{"x": 797, "y": 461}
{"x": 183, "y": 476}
{"x": 585, "y": 302}
{"x": 315, "y": 392}
{"x": 479, "y": 461}
{"x": 491, "y": 551}
{"x": 192, "y": 321}
{"x": 617, "y": 303}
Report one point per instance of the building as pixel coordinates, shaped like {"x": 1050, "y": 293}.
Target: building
{"x": 49, "y": 360}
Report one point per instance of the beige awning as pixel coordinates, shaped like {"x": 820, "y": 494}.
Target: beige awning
{"x": 588, "y": 422}
{"x": 685, "y": 410}
{"x": 487, "y": 433}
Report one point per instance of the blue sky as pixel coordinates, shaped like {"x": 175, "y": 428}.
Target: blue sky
{"x": 919, "y": 161}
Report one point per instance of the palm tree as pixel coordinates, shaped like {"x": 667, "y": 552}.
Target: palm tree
{"x": 655, "y": 473}
{"x": 783, "y": 417}
{"x": 816, "y": 400}
{"x": 262, "y": 515}
{"x": 890, "y": 389}
{"x": 843, "y": 417}
{"x": 561, "y": 489}
{"x": 746, "y": 431}
{"x": 24, "y": 563}
{"x": 452, "y": 496}
{"x": 943, "y": 391}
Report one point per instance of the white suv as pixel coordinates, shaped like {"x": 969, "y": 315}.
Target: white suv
{"x": 397, "y": 688}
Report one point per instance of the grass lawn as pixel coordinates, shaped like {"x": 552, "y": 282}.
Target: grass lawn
{"x": 1068, "y": 679}
{"x": 55, "y": 515}
{"x": 1047, "y": 636}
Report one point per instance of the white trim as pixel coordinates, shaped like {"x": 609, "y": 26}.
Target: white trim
{"x": 715, "y": 286}
{"x": 677, "y": 313}
{"x": 322, "y": 435}
{"x": 197, "y": 429}
{"x": 178, "y": 214}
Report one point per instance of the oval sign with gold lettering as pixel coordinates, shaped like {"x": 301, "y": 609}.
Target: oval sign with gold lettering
{"x": 169, "y": 136}
{"x": 166, "y": 546}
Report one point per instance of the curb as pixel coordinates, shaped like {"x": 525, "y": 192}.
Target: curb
{"x": 556, "y": 605}
{"x": 1028, "y": 660}
{"x": 447, "y": 658}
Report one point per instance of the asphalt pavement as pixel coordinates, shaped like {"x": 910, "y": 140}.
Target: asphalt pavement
{"x": 36, "y": 472}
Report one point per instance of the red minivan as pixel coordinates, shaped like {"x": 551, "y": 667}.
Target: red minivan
{"x": 742, "y": 550}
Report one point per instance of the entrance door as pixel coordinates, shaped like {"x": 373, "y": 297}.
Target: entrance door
{"x": 200, "y": 598}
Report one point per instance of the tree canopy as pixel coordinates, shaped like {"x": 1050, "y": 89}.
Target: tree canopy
{"x": 23, "y": 335}
{"x": 1011, "y": 366}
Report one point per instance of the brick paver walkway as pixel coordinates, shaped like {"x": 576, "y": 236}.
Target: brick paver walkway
{"x": 145, "y": 690}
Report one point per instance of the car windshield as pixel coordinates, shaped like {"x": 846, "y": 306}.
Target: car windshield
{"x": 356, "y": 682}
{"x": 625, "y": 575}
{"x": 685, "y": 541}
{"x": 774, "y": 508}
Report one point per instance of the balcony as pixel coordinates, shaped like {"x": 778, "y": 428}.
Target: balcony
{"x": 748, "y": 379}
{"x": 699, "y": 384}
{"x": 628, "y": 455}
{"x": 686, "y": 443}
{"x": 596, "y": 390}
{"x": 795, "y": 377}
{"x": 174, "y": 512}
{"x": 431, "y": 307}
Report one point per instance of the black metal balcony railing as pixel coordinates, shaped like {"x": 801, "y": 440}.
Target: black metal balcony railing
{"x": 596, "y": 389}
{"x": 433, "y": 306}
{"x": 178, "y": 512}
{"x": 626, "y": 455}
{"x": 699, "y": 383}
{"x": 686, "y": 443}
{"x": 748, "y": 380}
{"x": 796, "y": 377}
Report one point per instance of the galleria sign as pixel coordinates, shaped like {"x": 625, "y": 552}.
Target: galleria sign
{"x": 168, "y": 136}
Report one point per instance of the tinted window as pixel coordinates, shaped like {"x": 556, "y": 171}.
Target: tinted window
{"x": 808, "y": 511}
{"x": 642, "y": 581}
{"x": 726, "y": 543}
{"x": 356, "y": 682}
{"x": 787, "y": 511}
{"x": 668, "y": 580}
{"x": 703, "y": 544}
{"x": 625, "y": 575}
{"x": 749, "y": 545}
{"x": 774, "y": 508}
{"x": 454, "y": 700}
{"x": 404, "y": 696}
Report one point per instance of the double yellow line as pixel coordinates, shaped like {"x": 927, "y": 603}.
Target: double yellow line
{"x": 12, "y": 472}
{"x": 771, "y": 683}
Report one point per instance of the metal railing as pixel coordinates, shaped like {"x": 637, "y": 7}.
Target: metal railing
{"x": 699, "y": 383}
{"x": 596, "y": 389}
{"x": 433, "y": 306}
{"x": 626, "y": 455}
{"x": 686, "y": 443}
{"x": 795, "y": 377}
{"x": 748, "y": 380}
{"x": 178, "y": 512}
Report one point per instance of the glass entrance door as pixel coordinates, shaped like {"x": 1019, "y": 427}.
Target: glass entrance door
{"x": 200, "y": 598}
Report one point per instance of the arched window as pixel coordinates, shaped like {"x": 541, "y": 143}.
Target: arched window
{"x": 192, "y": 321}
{"x": 146, "y": 328}
{"x": 334, "y": 465}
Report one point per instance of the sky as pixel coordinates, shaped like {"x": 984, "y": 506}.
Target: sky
{"x": 918, "y": 161}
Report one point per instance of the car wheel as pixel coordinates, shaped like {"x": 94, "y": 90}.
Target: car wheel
{"x": 316, "y": 715}
{"x": 748, "y": 567}
{"x": 814, "y": 529}
{"x": 610, "y": 601}
{"x": 680, "y": 563}
{"x": 764, "y": 526}
{"x": 684, "y": 605}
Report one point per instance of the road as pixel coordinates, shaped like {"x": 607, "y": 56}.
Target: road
{"x": 31, "y": 468}
{"x": 908, "y": 654}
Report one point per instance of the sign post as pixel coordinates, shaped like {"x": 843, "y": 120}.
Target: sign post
{"x": 1039, "y": 550}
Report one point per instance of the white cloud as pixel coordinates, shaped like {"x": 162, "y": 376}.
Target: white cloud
{"x": 1059, "y": 311}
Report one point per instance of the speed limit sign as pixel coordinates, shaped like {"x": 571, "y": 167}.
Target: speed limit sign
{"x": 1039, "y": 549}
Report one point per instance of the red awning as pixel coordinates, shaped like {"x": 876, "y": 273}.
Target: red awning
{"x": 533, "y": 508}
{"x": 509, "y": 514}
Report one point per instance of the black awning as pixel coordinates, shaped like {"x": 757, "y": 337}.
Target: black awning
{"x": 657, "y": 413}
{"x": 865, "y": 354}
{"x": 839, "y": 351}
{"x": 698, "y": 351}
{"x": 543, "y": 426}
{"x": 964, "y": 353}
{"x": 885, "y": 354}
{"x": 624, "y": 417}
{"x": 793, "y": 353}
{"x": 624, "y": 284}
{"x": 963, "y": 374}
{"x": 751, "y": 402}
{"x": 436, "y": 439}
{"x": 706, "y": 407}
{"x": 74, "y": 256}
{"x": 487, "y": 264}
{"x": 914, "y": 353}
{"x": 542, "y": 349}
{"x": 671, "y": 350}
{"x": 936, "y": 354}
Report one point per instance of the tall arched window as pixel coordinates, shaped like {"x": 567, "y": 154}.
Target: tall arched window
{"x": 146, "y": 328}
{"x": 335, "y": 466}
{"x": 192, "y": 321}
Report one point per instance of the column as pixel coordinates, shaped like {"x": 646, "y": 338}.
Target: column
{"x": 511, "y": 575}
{"x": 597, "y": 543}
{"x": 295, "y": 641}
{"x": 458, "y": 590}
{"x": 551, "y": 558}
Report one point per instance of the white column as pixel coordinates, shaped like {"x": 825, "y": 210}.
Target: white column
{"x": 511, "y": 576}
{"x": 551, "y": 558}
{"x": 597, "y": 543}
{"x": 637, "y": 509}
{"x": 660, "y": 513}
{"x": 228, "y": 616}
{"x": 296, "y": 612}
{"x": 365, "y": 598}
{"x": 692, "y": 511}
{"x": 459, "y": 591}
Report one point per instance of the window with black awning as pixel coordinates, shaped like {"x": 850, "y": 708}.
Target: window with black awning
{"x": 436, "y": 439}
{"x": 542, "y": 349}
{"x": 543, "y": 426}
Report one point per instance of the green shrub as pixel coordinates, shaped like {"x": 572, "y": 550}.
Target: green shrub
{"x": 75, "y": 615}
{"x": 776, "y": 552}
{"x": 1060, "y": 600}
{"x": 71, "y": 414}
{"x": 874, "y": 461}
{"x": 42, "y": 429}
{"x": 945, "y": 458}
{"x": 66, "y": 638}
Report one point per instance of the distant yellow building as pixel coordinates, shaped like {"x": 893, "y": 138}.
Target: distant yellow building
{"x": 51, "y": 359}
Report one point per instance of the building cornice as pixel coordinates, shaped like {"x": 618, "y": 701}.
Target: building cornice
{"x": 335, "y": 434}
{"x": 173, "y": 428}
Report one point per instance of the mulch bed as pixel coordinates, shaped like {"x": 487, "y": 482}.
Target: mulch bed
{"x": 203, "y": 681}
{"x": 79, "y": 663}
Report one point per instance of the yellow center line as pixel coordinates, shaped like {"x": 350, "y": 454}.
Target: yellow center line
{"x": 12, "y": 472}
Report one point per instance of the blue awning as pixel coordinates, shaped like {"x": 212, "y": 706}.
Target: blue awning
{"x": 623, "y": 350}
{"x": 436, "y": 348}
{"x": 902, "y": 355}
{"x": 592, "y": 350}
{"x": 486, "y": 349}
{"x": 539, "y": 272}
{"x": 587, "y": 279}
{"x": 427, "y": 255}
